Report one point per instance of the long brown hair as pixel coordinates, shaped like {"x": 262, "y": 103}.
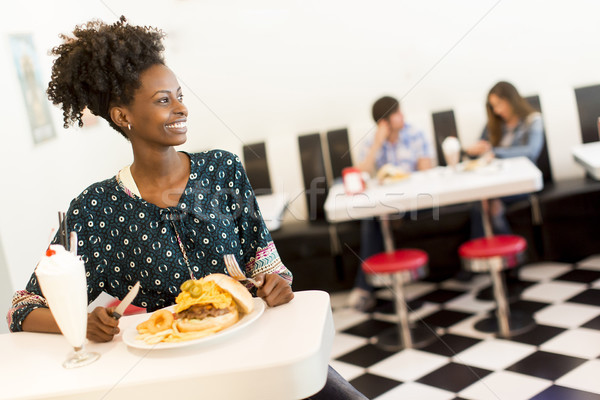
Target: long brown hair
{"x": 520, "y": 106}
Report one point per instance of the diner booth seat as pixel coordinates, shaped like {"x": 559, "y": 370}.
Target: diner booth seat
{"x": 400, "y": 267}
{"x": 494, "y": 255}
{"x": 312, "y": 248}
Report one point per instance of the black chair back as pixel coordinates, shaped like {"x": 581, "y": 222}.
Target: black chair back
{"x": 444, "y": 125}
{"x": 588, "y": 105}
{"x": 313, "y": 172}
{"x": 257, "y": 168}
{"x": 339, "y": 151}
{"x": 543, "y": 161}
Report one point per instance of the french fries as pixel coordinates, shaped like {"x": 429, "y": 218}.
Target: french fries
{"x": 170, "y": 335}
{"x": 153, "y": 338}
{"x": 183, "y": 336}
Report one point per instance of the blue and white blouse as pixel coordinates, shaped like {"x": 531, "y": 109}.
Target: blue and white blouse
{"x": 123, "y": 239}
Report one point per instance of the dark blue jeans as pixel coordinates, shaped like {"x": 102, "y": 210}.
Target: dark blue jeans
{"x": 337, "y": 388}
{"x": 500, "y": 225}
{"x": 371, "y": 242}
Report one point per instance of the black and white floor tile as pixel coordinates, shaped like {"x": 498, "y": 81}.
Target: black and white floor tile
{"x": 557, "y": 360}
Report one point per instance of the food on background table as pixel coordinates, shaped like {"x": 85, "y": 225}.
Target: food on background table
{"x": 390, "y": 173}
{"x": 477, "y": 163}
{"x": 204, "y": 307}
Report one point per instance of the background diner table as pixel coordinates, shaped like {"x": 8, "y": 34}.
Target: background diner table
{"x": 433, "y": 188}
{"x": 588, "y": 156}
{"x": 272, "y": 207}
{"x": 284, "y": 354}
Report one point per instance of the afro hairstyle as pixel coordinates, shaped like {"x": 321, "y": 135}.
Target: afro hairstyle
{"x": 100, "y": 66}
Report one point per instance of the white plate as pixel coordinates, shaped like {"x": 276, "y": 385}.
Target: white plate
{"x": 129, "y": 336}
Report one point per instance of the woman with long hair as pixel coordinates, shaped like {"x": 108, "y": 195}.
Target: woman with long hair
{"x": 514, "y": 129}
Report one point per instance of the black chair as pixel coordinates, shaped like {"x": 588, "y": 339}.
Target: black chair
{"x": 339, "y": 151}
{"x": 312, "y": 249}
{"x": 257, "y": 168}
{"x": 543, "y": 161}
{"x": 313, "y": 172}
{"x": 444, "y": 125}
{"x": 588, "y": 105}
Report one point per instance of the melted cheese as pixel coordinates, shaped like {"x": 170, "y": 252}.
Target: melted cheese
{"x": 211, "y": 294}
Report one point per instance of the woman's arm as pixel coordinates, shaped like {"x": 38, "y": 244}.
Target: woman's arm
{"x": 40, "y": 320}
{"x": 25, "y": 302}
{"x": 531, "y": 149}
{"x": 261, "y": 259}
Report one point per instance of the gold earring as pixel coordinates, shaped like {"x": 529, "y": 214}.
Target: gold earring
{"x": 129, "y": 126}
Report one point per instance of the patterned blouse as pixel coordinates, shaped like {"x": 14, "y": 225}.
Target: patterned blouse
{"x": 124, "y": 239}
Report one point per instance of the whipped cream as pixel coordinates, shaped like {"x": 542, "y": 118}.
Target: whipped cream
{"x": 451, "y": 144}
{"x": 58, "y": 260}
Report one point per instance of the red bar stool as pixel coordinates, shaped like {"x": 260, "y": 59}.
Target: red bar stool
{"x": 495, "y": 254}
{"x": 401, "y": 266}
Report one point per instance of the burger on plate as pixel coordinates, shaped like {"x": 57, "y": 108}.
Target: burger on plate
{"x": 211, "y": 304}
{"x": 390, "y": 173}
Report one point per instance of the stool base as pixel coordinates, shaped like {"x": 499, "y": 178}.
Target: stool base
{"x": 518, "y": 323}
{"x": 513, "y": 291}
{"x": 391, "y": 340}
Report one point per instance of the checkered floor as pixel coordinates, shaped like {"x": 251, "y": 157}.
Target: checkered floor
{"x": 558, "y": 360}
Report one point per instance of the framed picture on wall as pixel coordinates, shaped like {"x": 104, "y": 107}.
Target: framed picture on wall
{"x": 34, "y": 93}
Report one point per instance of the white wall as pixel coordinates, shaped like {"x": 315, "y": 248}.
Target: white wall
{"x": 5, "y": 287}
{"x": 275, "y": 69}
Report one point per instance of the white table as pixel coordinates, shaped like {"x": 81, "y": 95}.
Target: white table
{"x": 272, "y": 207}
{"x": 282, "y": 355}
{"x": 435, "y": 188}
{"x": 588, "y": 155}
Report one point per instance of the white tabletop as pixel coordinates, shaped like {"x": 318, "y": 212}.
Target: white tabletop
{"x": 434, "y": 188}
{"x": 588, "y": 155}
{"x": 282, "y": 355}
{"x": 272, "y": 208}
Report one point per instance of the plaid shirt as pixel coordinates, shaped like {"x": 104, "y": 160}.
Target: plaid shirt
{"x": 410, "y": 147}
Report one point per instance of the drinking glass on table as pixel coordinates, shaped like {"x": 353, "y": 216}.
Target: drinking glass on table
{"x": 61, "y": 276}
{"x": 451, "y": 150}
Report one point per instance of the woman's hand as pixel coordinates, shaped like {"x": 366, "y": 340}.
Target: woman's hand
{"x": 102, "y": 327}
{"x": 479, "y": 148}
{"x": 274, "y": 290}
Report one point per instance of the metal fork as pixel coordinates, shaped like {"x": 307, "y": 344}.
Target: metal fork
{"x": 234, "y": 270}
